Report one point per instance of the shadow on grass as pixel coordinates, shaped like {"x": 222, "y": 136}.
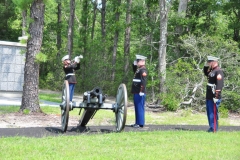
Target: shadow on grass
{"x": 81, "y": 130}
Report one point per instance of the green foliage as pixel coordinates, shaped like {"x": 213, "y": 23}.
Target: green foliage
{"x": 10, "y": 28}
{"x": 169, "y": 101}
{"x": 223, "y": 111}
{"x": 231, "y": 100}
{"x": 41, "y": 57}
{"x": 208, "y": 29}
{"x": 26, "y": 111}
{"x": 23, "y": 4}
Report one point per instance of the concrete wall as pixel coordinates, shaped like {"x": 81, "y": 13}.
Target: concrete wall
{"x": 12, "y": 61}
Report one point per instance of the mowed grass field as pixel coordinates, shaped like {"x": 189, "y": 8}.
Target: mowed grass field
{"x": 169, "y": 145}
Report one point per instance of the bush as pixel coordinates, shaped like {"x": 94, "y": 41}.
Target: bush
{"x": 231, "y": 101}
{"x": 223, "y": 111}
{"x": 169, "y": 101}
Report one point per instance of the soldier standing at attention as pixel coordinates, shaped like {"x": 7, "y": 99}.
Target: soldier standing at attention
{"x": 139, "y": 90}
{"x": 213, "y": 92}
{"x": 69, "y": 69}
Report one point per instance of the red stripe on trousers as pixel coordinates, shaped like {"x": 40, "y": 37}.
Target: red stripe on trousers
{"x": 215, "y": 117}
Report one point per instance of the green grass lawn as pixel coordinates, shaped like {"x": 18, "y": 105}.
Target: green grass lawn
{"x": 51, "y": 97}
{"x": 126, "y": 145}
{"x": 156, "y": 145}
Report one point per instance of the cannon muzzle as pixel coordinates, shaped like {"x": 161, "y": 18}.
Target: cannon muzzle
{"x": 96, "y": 92}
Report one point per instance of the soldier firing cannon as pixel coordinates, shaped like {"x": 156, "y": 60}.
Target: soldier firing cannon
{"x": 93, "y": 101}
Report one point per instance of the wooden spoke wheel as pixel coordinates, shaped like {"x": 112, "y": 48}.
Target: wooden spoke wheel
{"x": 121, "y": 107}
{"x": 65, "y": 106}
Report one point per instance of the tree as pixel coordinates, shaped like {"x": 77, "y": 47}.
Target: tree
{"x": 70, "y": 27}
{"x": 162, "y": 44}
{"x": 182, "y": 8}
{"x": 95, "y": 3}
{"x": 232, "y": 9}
{"x": 30, "y": 98}
{"x": 117, "y": 6}
{"x": 59, "y": 28}
{"x": 23, "y": 5}
{"x": 127, "y": 41}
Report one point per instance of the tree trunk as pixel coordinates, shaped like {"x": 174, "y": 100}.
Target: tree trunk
{"x": 182, "y": 9}
{"x": 94, "y": 17}
{"x": 24, "y": 22}
{"x": 59, "y": 29}
{"x": 103, "y": 21}
{"x": 84, "y": 36}
{"x": 115, "y": 43}
{"x": 104, "y": 54}
{"x": 103, "y": 30}
{"x": 127, "y": 41}
{"x": 162, "y": 45}
{"x": 85, "y": 25}
{"x": 70, "y": 27}
{"x": 30, "y": 98}
{"x": 236, "y": 29}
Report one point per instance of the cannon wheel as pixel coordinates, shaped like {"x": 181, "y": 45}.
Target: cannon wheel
{"x": 65, "y": 108}
{"x": 121, "y": 107}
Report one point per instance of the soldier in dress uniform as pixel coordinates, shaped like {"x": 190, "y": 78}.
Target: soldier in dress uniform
{"x": 69, "y": 69}
{"x": 139, "y": 90}
{"x": 213, "y": 92}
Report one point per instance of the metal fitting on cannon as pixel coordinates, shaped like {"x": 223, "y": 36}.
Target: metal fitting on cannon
{"x": 94, "y": 96}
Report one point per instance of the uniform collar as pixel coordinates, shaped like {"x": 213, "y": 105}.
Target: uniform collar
{"x": 215, "y": 67}
{"x": 142, "y": 66}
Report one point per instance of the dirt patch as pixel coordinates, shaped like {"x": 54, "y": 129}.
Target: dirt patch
{"x": 18, "y": 120}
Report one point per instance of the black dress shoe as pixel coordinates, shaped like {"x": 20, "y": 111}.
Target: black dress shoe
{"x": 210, "y": 130}
{"x": 135, "y": 126}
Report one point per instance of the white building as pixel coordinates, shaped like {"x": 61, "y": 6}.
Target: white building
{"x": 12, "y": 61}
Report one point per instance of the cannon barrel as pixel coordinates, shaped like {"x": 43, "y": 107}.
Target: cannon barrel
{"x": 95, "y": 92}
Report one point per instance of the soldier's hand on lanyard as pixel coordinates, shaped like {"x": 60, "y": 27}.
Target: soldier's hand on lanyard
{"x": 215, "y": 100}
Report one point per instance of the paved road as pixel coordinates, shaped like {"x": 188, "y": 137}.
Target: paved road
{"x": 55, "y": 131}
{"x": 15, "y": 99}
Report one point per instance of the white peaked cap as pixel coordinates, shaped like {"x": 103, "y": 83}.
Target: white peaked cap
{"x": 211, "y": 58}
{"x": 140, "y": 57}
{"x": 65, "y": 57}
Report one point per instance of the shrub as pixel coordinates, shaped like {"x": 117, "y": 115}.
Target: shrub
{"x": 169, "y": 101}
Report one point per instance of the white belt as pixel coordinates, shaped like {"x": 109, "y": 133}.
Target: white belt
{"x": 211, "y": 85}
{"x": 70, "y": 74}
{"x": 136, "y": 80}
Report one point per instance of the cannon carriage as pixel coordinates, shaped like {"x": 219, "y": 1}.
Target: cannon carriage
{"x": 93, "y": 101}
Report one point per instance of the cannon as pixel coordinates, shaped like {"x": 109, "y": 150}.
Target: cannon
{"x": 93, "y": 101}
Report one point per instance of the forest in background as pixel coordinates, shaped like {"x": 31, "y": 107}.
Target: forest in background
{"x": 109, "y": 33}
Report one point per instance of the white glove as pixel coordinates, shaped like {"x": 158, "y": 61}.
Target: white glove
{"x": 141, "y": 94}
{"x": 215, "y": 100}
{"x": 134, "y": 63}
{"x": 80, "y": 56}
{"x": 77, "y": 59}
